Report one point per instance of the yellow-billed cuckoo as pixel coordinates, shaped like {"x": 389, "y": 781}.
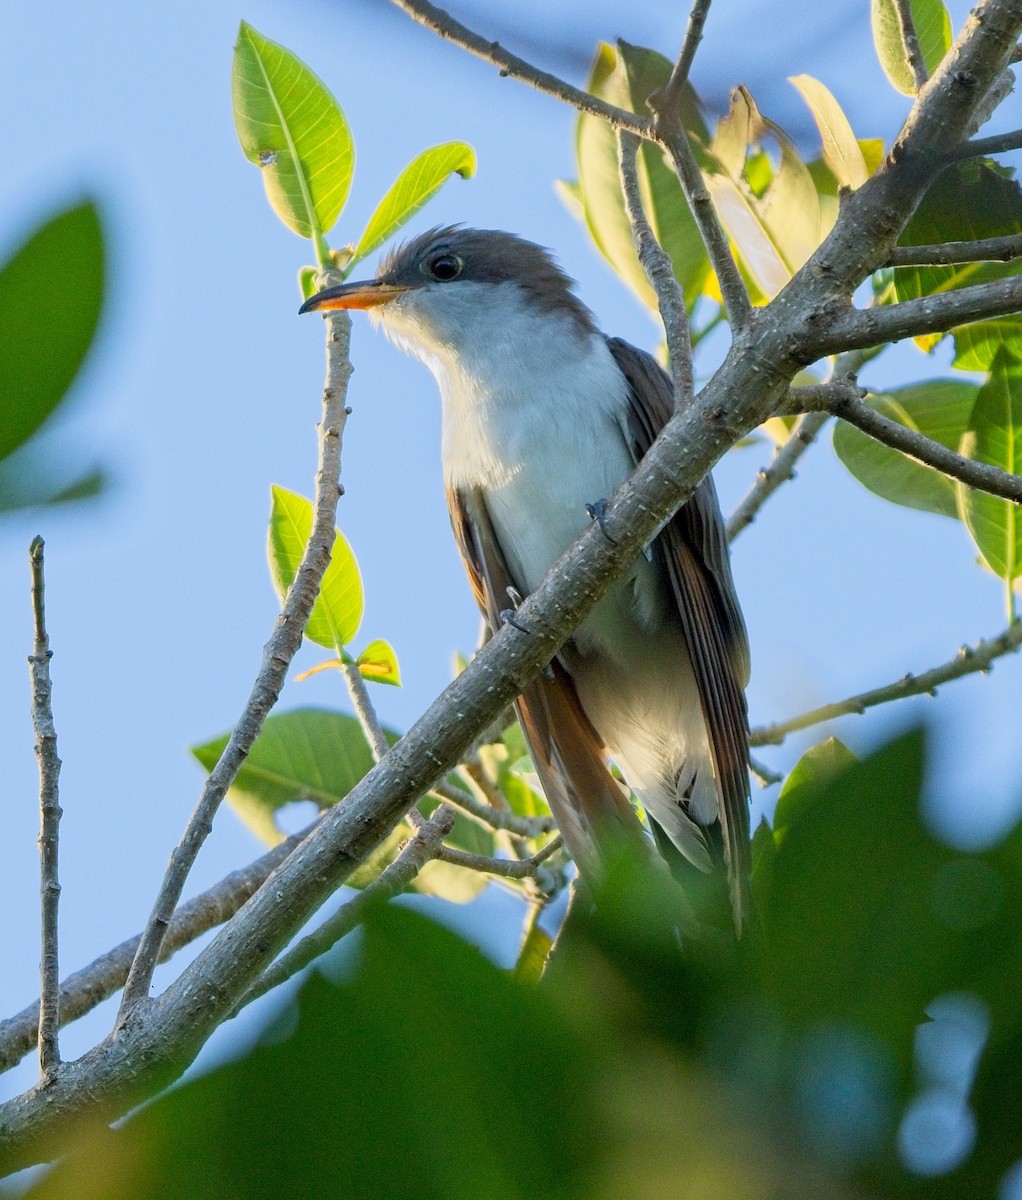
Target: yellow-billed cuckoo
{"x": 543, "y": 417}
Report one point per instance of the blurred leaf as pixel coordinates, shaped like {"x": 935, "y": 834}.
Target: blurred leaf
{"x": 293, "y": 129}
{"x": 939, "y": 409}
{"x": 853, "y": 936}
{"x": 813, "y": 771}
{"x": 841, "y": 150}
{"x": 51, "y": 295}
{"x": 34, "y": 477}
{"x": 933, "y": 30}
{"x": 533, "y": 952}
{"x": 378, "y": 662}
{"x": 775, "y": 221}
{"x": 428, "y": 1074}
{"x": 626, "y": 76}
{"x": 994, "y": 436}
{"x": 418, "y": 183}
{"x": 307, "y": 754}
{"x": 338, "y": 610}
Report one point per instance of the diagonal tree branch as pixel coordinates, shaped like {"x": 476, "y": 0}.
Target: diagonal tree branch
{"x": 848, "y": 404}
{"x": 910, "y": 40}
{"x": 277, "y": 655}
{"x": 1000, "y": 143}
{"x": 967, "y": 661}
{"x": 670, "y": 97}
{"x": 446, "y": 27}
{"x": 659, "y": 270}
{"x": 862, "y": 328}
{"x": 994, "y": 249}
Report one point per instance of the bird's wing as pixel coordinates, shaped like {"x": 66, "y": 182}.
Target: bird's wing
{"x": 694, "y": 548}
{"x": 588, "y": 804}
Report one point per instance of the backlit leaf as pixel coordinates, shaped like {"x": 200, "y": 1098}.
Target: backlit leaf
{"x": 933, "y": 29}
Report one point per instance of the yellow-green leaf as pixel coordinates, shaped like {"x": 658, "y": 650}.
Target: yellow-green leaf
{"x": 378, "y": 662}
{"x": 933, "y": 30}
{"x": 418, "y": 182}
{"x": 337, "y": 612}
{"x": 292, "y": 128}
{"x": 841, "y": 150}
{"x": 994, "y": 436}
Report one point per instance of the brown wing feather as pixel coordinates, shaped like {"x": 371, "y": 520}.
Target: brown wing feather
{"x": 587, "y": 802}
{"x": 694, "y": 547}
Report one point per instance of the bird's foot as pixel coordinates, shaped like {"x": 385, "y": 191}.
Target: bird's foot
{"x": 507, "y": 615}
{"x": 597, "y": 511}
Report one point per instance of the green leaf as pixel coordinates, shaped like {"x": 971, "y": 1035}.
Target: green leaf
{"x": 939, "y": 409}
{"x": 418, "y": 183}
{"x": 967, "y": 202}
{"x": 293, "y": 129}
{"x": 626, "y": 76}
{"x": 772, "y": 215}
{"x": 338, "y": 610}
{"x": 378, "y": 662}
{"x": 51, "y": 294}
{"x": 853, "y": 935}
{"x": 994, "y": 436}
{"x": 933, "y": 30}
{"x": 307, "y": 754}
{"x": 813, "y": 771}
{"x": 841, "y": 150}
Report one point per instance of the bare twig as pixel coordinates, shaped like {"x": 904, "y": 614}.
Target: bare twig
{"x": 1000, "y": 143}
{"x": 491, "y": 817}
{"x": 82, "y": 991}
{"x": 670, "y": 96}
{"x": 365, "y": 711}
{"x": 781, "y": 469}
{"x": 446, "y": 27}
{"x": 910, "y": 40}
{"x": 49, "y": 817}
{"x": 859, "y": 329}
{"x": 506, "y": 868}
{"x": 847, "y": 403}
{"x": 967, "y": 661}
{"x": 764, "y": 774}
{"x": 423, "y": 847}
{"x": 672, "y": 136}
{"x": 277, "y": 656}
{"x": 995, "y": 249}
{"x": 660, "y": 271}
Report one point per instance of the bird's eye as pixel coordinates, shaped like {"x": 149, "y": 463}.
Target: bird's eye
{"x": 445, "y": 267}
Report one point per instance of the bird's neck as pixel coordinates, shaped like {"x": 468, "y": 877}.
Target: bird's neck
{"x": 514, "y": 384}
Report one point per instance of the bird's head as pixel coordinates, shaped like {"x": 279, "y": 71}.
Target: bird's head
{"x": 451, "y": 289}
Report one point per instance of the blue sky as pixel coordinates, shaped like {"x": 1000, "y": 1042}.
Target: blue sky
{"x": 205, "y": 389}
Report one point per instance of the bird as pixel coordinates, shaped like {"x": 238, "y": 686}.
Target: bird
{"x": 543, "y": 416}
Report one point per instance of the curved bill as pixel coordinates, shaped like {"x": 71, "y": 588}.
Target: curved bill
{"x": 352, "y": 295}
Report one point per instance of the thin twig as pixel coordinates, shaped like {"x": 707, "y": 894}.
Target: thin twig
{"x": 82, "y": 991}
{"x": 659, "y": 270}
{"x": 446, "y": 27}
{"x": 910, "y": 40}
{"x": 847, "y": 403}
{"x": 764, "y": 774}
{"x": 423, "y": 847}
{"x": 672, "y": 136}
{"x": 490, "y": 817}
{"x": 49, "y": 817}
{"x": 1000, "y": 143}
{"x": 506, "y": 868}
{"x": 670, "y": 96}
{"x": 365, "y": 711}
{"x": 780, "y": 471}
{"x": 967, "y": 661}
{"x": 995, "y": 249}
{"x": 862, "y": 328}
{"x": 277, "y": 656}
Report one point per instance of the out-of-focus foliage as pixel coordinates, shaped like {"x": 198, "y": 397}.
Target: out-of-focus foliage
{"x": 51, "y": 297}
{"x": 794, "y": 1063}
